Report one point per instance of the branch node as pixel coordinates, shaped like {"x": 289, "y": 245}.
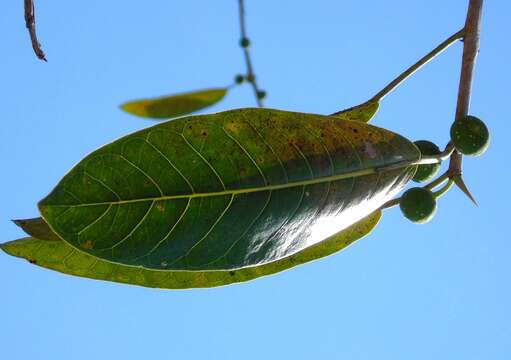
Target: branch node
{"x": 245, "y": 43}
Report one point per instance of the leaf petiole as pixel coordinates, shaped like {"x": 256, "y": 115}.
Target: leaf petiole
{"x": 432, "y": 185}
{"x": 438, "y": 158}
{"x": 444, "y": 189}
{"x": 412, "y": 69}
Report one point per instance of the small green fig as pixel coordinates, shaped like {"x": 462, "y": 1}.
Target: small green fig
{"x": 426, "y": 172}
{"x": 261, "y": 94}
{"x": 418, "y": 205}
{"x": 244, "y": 42}
{"x": 470, "y": 135}
{"x": 239, "y": 79}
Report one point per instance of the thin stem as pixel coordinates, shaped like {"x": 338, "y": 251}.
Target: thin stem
{"x": 471, "y": 36}
{"x": 412, "y": 69}
{"x": 436, "y": 159}
{"x": 470, "y": 52}
{"x": 435, "y": 183}
{"x": 30, "y": 24}
{"x": 390, "y": 204}
{"x": 438, "y": 181}
{"x": 250, "y": 76}
{"x": 443, "y": 190}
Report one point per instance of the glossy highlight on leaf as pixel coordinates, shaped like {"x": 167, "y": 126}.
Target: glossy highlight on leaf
{"x": 226, "y": 191}
{"x": 176, "y": 105}
{"x": 59, "y": 256}
{"x": 363, "y": 112}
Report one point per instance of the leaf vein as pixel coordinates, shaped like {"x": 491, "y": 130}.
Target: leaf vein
{"x": 102, "y": 183}
{"x": 142, "y": 172}
{"x": 258, "y": 133}
{"x": 95, "y": 220}
{"x": 246, "y": 230}
{"x": 181, "y": 216}
{"x": 247, "y": 154}
{"x": 318, "y": 180}
{"x": 134, "y": 228}
{"x": 208, "y": 232}
{"x": 204, "y": 160}
{"x": 170, "y": 163}
{"x": 288, "y": 218}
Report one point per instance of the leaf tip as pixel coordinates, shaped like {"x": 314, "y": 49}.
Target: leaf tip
{"x": 131, "y": 107}
{"x": 17, "y": 222}
{"x": 5, "y": 247}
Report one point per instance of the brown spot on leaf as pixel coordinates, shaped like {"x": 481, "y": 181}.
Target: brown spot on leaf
{"x": 87, "y": 245}
{"x": 232, "y": 127}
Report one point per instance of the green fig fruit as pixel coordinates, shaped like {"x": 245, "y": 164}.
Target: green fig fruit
{"x": 244, "y": 42}
{"x": 261, "y": 94}
{"x": 418, "y": 205}
{"x": 239, "y": 79}
{"x": 426, "y": 172}
{"x": 470, "y": 135}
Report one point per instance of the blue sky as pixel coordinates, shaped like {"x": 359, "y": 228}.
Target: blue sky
{"x": 437, "y": 291}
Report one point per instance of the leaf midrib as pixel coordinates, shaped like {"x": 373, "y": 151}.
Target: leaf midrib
{"x": 319, "y": 180}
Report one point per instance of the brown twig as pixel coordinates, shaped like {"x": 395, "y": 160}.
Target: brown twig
{"x": 30, "y": 23}
{"x": 470, "y": 52}
{"x": 471, "y": 38}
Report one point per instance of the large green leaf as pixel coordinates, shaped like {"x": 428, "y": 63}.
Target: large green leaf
{"x": 59, "y": 256}
{"x": 227, "y": 191}
{"x": 175, "y": 105}
{"x": 363, "y": 112}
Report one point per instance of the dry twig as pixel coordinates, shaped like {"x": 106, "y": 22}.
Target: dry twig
{"x": 30, "y": 23}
